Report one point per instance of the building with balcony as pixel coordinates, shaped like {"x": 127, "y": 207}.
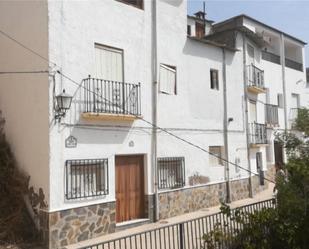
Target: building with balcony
{"x": 145, "y": 87}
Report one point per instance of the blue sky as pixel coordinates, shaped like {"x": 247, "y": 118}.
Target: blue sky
{"x": 290, "y": 16}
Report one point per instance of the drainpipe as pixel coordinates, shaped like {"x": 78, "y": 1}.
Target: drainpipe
{"x": 246, "y": 112}
{"x": 225, "y": 130}
{"x": 154, "y": 145}
{"x": 283, "y": 82}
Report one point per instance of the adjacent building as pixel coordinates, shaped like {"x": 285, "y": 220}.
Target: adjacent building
{"x": 161, "y": 101}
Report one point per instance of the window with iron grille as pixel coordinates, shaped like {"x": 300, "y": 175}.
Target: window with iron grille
{"x": 171, "y": 172}
{"x": 86, "y": 178}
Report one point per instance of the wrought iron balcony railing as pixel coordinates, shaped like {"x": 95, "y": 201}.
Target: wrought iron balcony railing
{"x": 255, "y": 77}
{"x": 271, "y": 112}
{"x": 105, "y": 96}
{"x": 258, "y": 133}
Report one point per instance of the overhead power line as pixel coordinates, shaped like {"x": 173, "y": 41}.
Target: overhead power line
{"x": 170, "y": 133}
{"x": 146, "y": 121}
{"x": 25, "y": 72}
{"x": 25, "y": 47}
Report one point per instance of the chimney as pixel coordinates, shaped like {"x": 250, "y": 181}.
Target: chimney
{"x": 200, "y": 15}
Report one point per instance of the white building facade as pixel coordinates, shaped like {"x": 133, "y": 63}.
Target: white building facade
{"x": 160, "y": 102}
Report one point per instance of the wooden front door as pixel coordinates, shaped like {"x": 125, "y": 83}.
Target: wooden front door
{"x": 129, "y": 188}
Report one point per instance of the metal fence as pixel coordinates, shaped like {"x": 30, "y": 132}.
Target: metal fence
{"x": 184, "y": 235}
{"x": 271, "y": 112}
{"x": 255, "y": 77}
{"x": 86, "y": 178}
{"x": 258, "y": 133}
{"x": 171, "y": 172}
{"x": 105, "y": 96}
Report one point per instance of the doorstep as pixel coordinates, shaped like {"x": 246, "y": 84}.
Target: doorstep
{"x": 131, "y": 223}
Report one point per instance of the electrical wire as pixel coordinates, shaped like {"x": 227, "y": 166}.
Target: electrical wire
{"x": 170, "y": 133}
{"x": 25, "y": 72}
{"x": 138, "y": 117}
{"x": 25, "y": 47}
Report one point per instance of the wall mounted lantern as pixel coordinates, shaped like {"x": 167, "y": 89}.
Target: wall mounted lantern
{"x": 63, "y": 102}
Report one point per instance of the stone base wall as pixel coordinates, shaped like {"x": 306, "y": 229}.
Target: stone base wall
{"x": 183, "y": 201}
{"x": 70, "y": 226}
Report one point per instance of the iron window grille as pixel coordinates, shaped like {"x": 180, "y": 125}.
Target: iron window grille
{"x": 86, "y": 178}
{"x": 171, "y": 172}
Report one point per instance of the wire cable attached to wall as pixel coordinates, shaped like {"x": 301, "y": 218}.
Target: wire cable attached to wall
{"x": 138, "y": 117}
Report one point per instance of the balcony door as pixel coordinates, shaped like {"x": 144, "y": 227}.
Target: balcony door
{"x": 108, "y": 63}
{"x": 251, "y": 54}
{"x": 252, "y": 112}
{"x": 109, "y": 95}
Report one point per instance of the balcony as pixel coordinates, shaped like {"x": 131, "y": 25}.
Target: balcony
{"x": 267, "y": 56}
{"x": 258, "y": 134}
{"x": 110, "y": 100}
{"x": 255, "y": 80}
{"x": 294, "y": 65}
{"x": 271, "y": 115}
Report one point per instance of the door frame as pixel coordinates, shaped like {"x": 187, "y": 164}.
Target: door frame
{"x": 143, "y": 182}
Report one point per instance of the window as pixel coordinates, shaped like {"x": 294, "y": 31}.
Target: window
{"x": 280, "y": 100}
{"x": 167, "y": 79}
{"x": 171, "y": 172}
{"x": 217, "y": 151}
{"x": 135, "y": 3}
{"x": 86, "y": 178}
{"x": 214, "y": 79}
{"x": 189, "y": 30}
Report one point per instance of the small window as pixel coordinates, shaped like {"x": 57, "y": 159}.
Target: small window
{"x": 215, "y": 156}
{"x": 86, "y": 178}
{"x": 280, "y": 100}
{"x": 135, "y": 3}
{"x": 214, "y": 79}
{"x": 171, "y": 172}
{"x": 189, "y": 30}
{"x": 167, "y": 79}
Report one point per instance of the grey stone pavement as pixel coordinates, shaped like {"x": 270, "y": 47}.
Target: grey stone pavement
{"x": 264, "y": 195}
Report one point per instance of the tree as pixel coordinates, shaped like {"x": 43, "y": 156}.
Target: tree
{"x": 286, "y": 226}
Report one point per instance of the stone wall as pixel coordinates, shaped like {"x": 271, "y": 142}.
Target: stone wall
{"x": 187, "y": 200}
{"x": 70, "y": 226}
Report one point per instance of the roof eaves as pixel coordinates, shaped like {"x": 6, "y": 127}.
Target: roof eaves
{"x": 259, "y": 22}
{"x": 212, "y": 43}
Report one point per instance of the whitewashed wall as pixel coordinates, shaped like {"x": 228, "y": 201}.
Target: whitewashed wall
{"x": 74, "y": 27}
